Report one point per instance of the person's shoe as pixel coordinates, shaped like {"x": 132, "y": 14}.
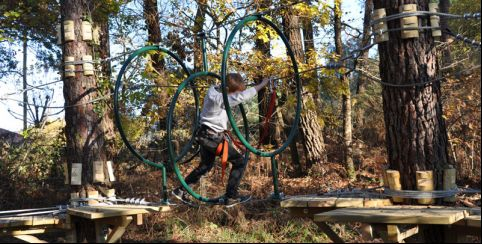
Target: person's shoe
{"x": 180, "y": 194}
{"x": 232, "y": 201}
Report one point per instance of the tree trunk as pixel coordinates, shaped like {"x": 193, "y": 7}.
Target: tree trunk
{"x": 24, "y": 78}
{"x": 85, "y": 138}
{"x": 151, "y": 15}
{"x": 310, "y": 129}
{"x": 319, "y": 155}
{"x": 416, "y": 133}
{"x": 198, "y": 27}
{"x": 346, "y": 98}
{"x": 107, "y": 124}
{"x": 83, "y": 130}
{"x": 444, "y": 6}
{"x": 362, "y": 80}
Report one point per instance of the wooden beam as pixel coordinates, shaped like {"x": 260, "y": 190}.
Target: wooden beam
{"x": 28, "y": 221}
{"x": 392, "y": 216}
{"x": 119, "y": 229}
{"x": 394, "y": 234}
{"x": 349, "y": 203}
{"x": 29, "y": 239}
{"x": 8, "y": 232}
{"x": 139, "y": 219}
{"x": 98, "y": 212}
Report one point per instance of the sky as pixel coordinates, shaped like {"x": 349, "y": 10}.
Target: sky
{"x": 353, "y": 13}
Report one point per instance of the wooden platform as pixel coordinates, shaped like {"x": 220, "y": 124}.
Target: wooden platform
{"x": 333, "y": 202}
{"x": 29, "y": 221}
{"x": 427, "y": 216}
{"x": 99, "y": 212}
{"x": 380, "y": 218}
{"x": 111, "y": 219}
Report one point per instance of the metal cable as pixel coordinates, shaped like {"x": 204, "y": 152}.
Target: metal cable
{"x": 426, "y": 13}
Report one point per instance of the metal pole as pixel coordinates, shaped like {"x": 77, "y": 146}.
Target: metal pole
{"x": 165, "y": 199}
{"x": 274, "y": 169}
{"x": 203, "y": 46}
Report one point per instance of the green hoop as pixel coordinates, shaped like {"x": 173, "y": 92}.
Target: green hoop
{"x": 118, "y": 85}
{"x": 172, "y": 154}
{"x": 294, "y": 127}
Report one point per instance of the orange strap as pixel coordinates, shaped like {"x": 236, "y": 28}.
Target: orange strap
{"x": 223, "y": 148}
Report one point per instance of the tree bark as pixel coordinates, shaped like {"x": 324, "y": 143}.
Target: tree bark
{"x": 107, "y": 124}
{"x": 151, "y": 16}
{"x": 198, "y": 27}
{"x": 310, "y": 129}
{"x": 416, "y": 133}
{"x": 83, "y": 130}
{"x": 85, "y": 138}
{"x": 362, "y": 80}
{"x": 346, "y": 98}
{"x": 444, "y": 6}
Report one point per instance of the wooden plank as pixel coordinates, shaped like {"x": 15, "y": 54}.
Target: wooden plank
{"x": 97, "y": 212}
{"x": 392, "y": 216}
{"x": 28, "y": 221}
{"x": 349, "y": 203}
{"x": 30, "y": 239}
{"x": 9, "y": 232}
{"x": 301, "y": 202}
{"x": 326, "y": 202}
{"x": 119, "y": 229}
{"x": 307, "y": 212}
{"x": 294, "y": 203}
{"x": 394, "y": 234}
{"x": 376, "y": 203}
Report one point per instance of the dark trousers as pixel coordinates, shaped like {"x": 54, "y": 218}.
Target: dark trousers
{"x": 209, "y": 141}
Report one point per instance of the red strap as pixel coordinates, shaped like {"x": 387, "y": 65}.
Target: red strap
{"x": 269, "y": 114}
{"x": 223, "y": 148}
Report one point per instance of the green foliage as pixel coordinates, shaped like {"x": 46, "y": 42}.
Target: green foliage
{"x": 38, "y": 160}
{"x": 31, "y": 20}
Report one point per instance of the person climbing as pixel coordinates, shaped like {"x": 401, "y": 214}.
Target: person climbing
{"x": 213, "y": 132}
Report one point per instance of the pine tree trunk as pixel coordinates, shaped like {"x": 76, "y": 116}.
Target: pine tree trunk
{"x": 444, "y": 6}
{"x": 151, "y": 15}
{"x": 83, "y": 130}
{"x": 310, "y": 129}
{"x": 346, "y": 98}
{"x": 415, "y": 129}
{"x": 107, "y": 124}
{"x": 363, "y": 61}
{"x": 416, "y": 133}
{"x": 198, "y": 27}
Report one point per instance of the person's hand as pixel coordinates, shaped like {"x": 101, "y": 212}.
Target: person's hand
{"x": 262, "y": 84}
{"x": 265, "y": 81}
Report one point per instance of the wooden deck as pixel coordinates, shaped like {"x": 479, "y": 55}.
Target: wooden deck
{"x": 99, "y": 212}
{"x": 428, "y": 216}
{"x": 380, "y": 218}
{"x": 111, "y": 219}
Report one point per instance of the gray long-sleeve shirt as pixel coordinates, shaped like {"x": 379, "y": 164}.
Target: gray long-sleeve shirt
{"x": 214, "y": 114}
